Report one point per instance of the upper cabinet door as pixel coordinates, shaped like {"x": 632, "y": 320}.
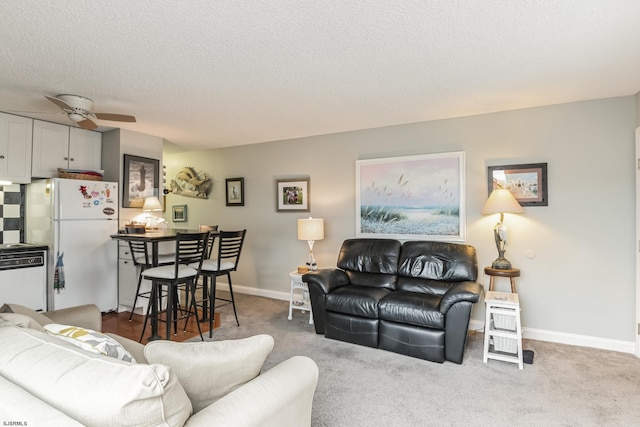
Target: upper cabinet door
{"x": 59, "y": 146}
{"x": 50, "y": 149}
{"x": 85, "y": 149}
{"x": 15, "y": 148}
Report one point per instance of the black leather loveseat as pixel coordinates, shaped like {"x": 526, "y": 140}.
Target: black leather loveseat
{"x": 413, "y": 298}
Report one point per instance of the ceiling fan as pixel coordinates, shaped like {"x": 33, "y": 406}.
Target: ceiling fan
{"x": 78, "y": 109}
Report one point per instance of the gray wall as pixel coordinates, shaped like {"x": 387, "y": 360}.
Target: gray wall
{"x": 582, "y": 278}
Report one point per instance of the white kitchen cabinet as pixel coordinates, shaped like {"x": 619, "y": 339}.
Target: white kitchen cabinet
{"x": 128, "y": 281}
{"x": 59, "y": 146}
{"x": 85, "y": 149}
{"x": 15, "y": 148}
{"x": 127, "y": 277}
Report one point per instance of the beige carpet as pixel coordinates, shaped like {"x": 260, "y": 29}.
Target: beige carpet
{"x": 360, "y": 386}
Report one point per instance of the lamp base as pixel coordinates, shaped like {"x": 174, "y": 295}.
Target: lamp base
{"x": 311, "y": 262}
{"x": 501, "y": 263}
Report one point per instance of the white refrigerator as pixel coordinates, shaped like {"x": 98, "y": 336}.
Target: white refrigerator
{"x": 75, "y": 218}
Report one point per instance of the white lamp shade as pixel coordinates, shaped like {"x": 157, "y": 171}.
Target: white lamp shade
{"x": 151, "y": 204}
{"x": 311, "y": 229}
{"x": 501, "y": 201}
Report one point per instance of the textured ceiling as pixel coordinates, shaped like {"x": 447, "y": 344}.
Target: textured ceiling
{"x": 213, "y": 73}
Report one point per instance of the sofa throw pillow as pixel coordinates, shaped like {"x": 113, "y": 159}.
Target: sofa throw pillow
{"x": 21, "y": 309}
{"x": 90, "y": 340}
{"x": 19, "y": 320}
{"x": 210, "y": 370}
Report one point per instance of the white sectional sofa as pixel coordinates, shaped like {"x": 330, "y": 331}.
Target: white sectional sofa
{"x": 49, "y": 379}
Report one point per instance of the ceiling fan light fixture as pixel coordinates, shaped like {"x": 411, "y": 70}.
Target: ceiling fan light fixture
{"x": 75, "y": 117}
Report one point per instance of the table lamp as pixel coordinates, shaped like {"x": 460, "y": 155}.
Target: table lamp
{"x": 311, "y": 229}
{"x": 501, "y": 201}
{"x": 151, "y": 204}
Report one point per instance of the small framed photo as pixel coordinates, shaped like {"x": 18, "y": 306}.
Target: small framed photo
{"x": 292, "y": 195}
{"x": 527, "y": 183}
{"x": 235, "y": 191}
{"x": 179, "y": 213}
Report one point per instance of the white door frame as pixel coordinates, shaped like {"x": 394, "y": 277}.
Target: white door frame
{"x": 637, "y": 325}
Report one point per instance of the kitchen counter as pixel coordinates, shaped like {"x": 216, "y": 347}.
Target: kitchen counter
{"x": 21, "y": 247}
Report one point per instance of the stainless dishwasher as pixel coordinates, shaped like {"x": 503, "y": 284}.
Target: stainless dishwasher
{"x": 23, "y": 275}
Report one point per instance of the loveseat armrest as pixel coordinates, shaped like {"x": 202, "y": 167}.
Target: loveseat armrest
{"x": 279, "y": 397}
{"x": 462, "y": 291}
{"x": 86, "y": 316}
{"x": 320, "y": 283}
{"x": 326, "y": 279}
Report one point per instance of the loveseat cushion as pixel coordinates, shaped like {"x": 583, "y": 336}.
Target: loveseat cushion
{"x": 90, "y": 388}
{"x": 438, "y": 261}
{"x": 361, "y": 301}
{"x": 210, "y": 370}
{"x": 412, "y": 308}
{"x": 377, "y": 256}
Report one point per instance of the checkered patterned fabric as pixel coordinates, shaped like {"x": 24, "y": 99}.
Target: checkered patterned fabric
{"x": 12, "y": 198}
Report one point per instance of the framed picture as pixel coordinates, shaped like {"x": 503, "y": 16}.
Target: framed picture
{"x": 413, "y": 197}
{"x": 292, "y": 195}
{"x": 141, "y": 179}
{"x": 527, "y": 183}
{"x": 235, "y": 191}
{"x": 179, "y": 213}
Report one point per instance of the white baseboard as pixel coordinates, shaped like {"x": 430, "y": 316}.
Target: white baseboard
{"x": 253, "y": 291}
{"x": 569, "y": 339}
{"x": 528, "y": 333}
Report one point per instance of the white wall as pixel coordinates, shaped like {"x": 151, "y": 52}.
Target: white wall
{"x": 582, "y": 280}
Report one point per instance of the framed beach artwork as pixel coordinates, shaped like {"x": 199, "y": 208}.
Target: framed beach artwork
{"x": 527, "y": 183}
{"x": 141, "y": 180}
{"x": 412, "y": 197}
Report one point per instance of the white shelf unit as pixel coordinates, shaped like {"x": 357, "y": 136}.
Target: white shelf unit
{"x": 297, "y": 301}
{"x": 502, "y": 328}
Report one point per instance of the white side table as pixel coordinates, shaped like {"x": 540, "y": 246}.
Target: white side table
{"x": 300, "y": 302}
{"x": 502, "y": 328}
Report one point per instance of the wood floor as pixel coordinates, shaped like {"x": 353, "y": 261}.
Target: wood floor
{"x": 118, "y": 323}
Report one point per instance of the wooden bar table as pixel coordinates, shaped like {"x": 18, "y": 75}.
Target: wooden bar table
{"x": 155, "y": 237}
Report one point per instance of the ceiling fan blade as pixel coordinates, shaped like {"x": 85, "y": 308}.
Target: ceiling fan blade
{"x": 59, "y": 102}
{"x": 115, "y": 117}
{"x": 87, "y": 124}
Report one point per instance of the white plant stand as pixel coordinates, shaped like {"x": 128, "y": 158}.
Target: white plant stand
{"x": 502, "y": 328}
{"x": 301, "y": 301}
